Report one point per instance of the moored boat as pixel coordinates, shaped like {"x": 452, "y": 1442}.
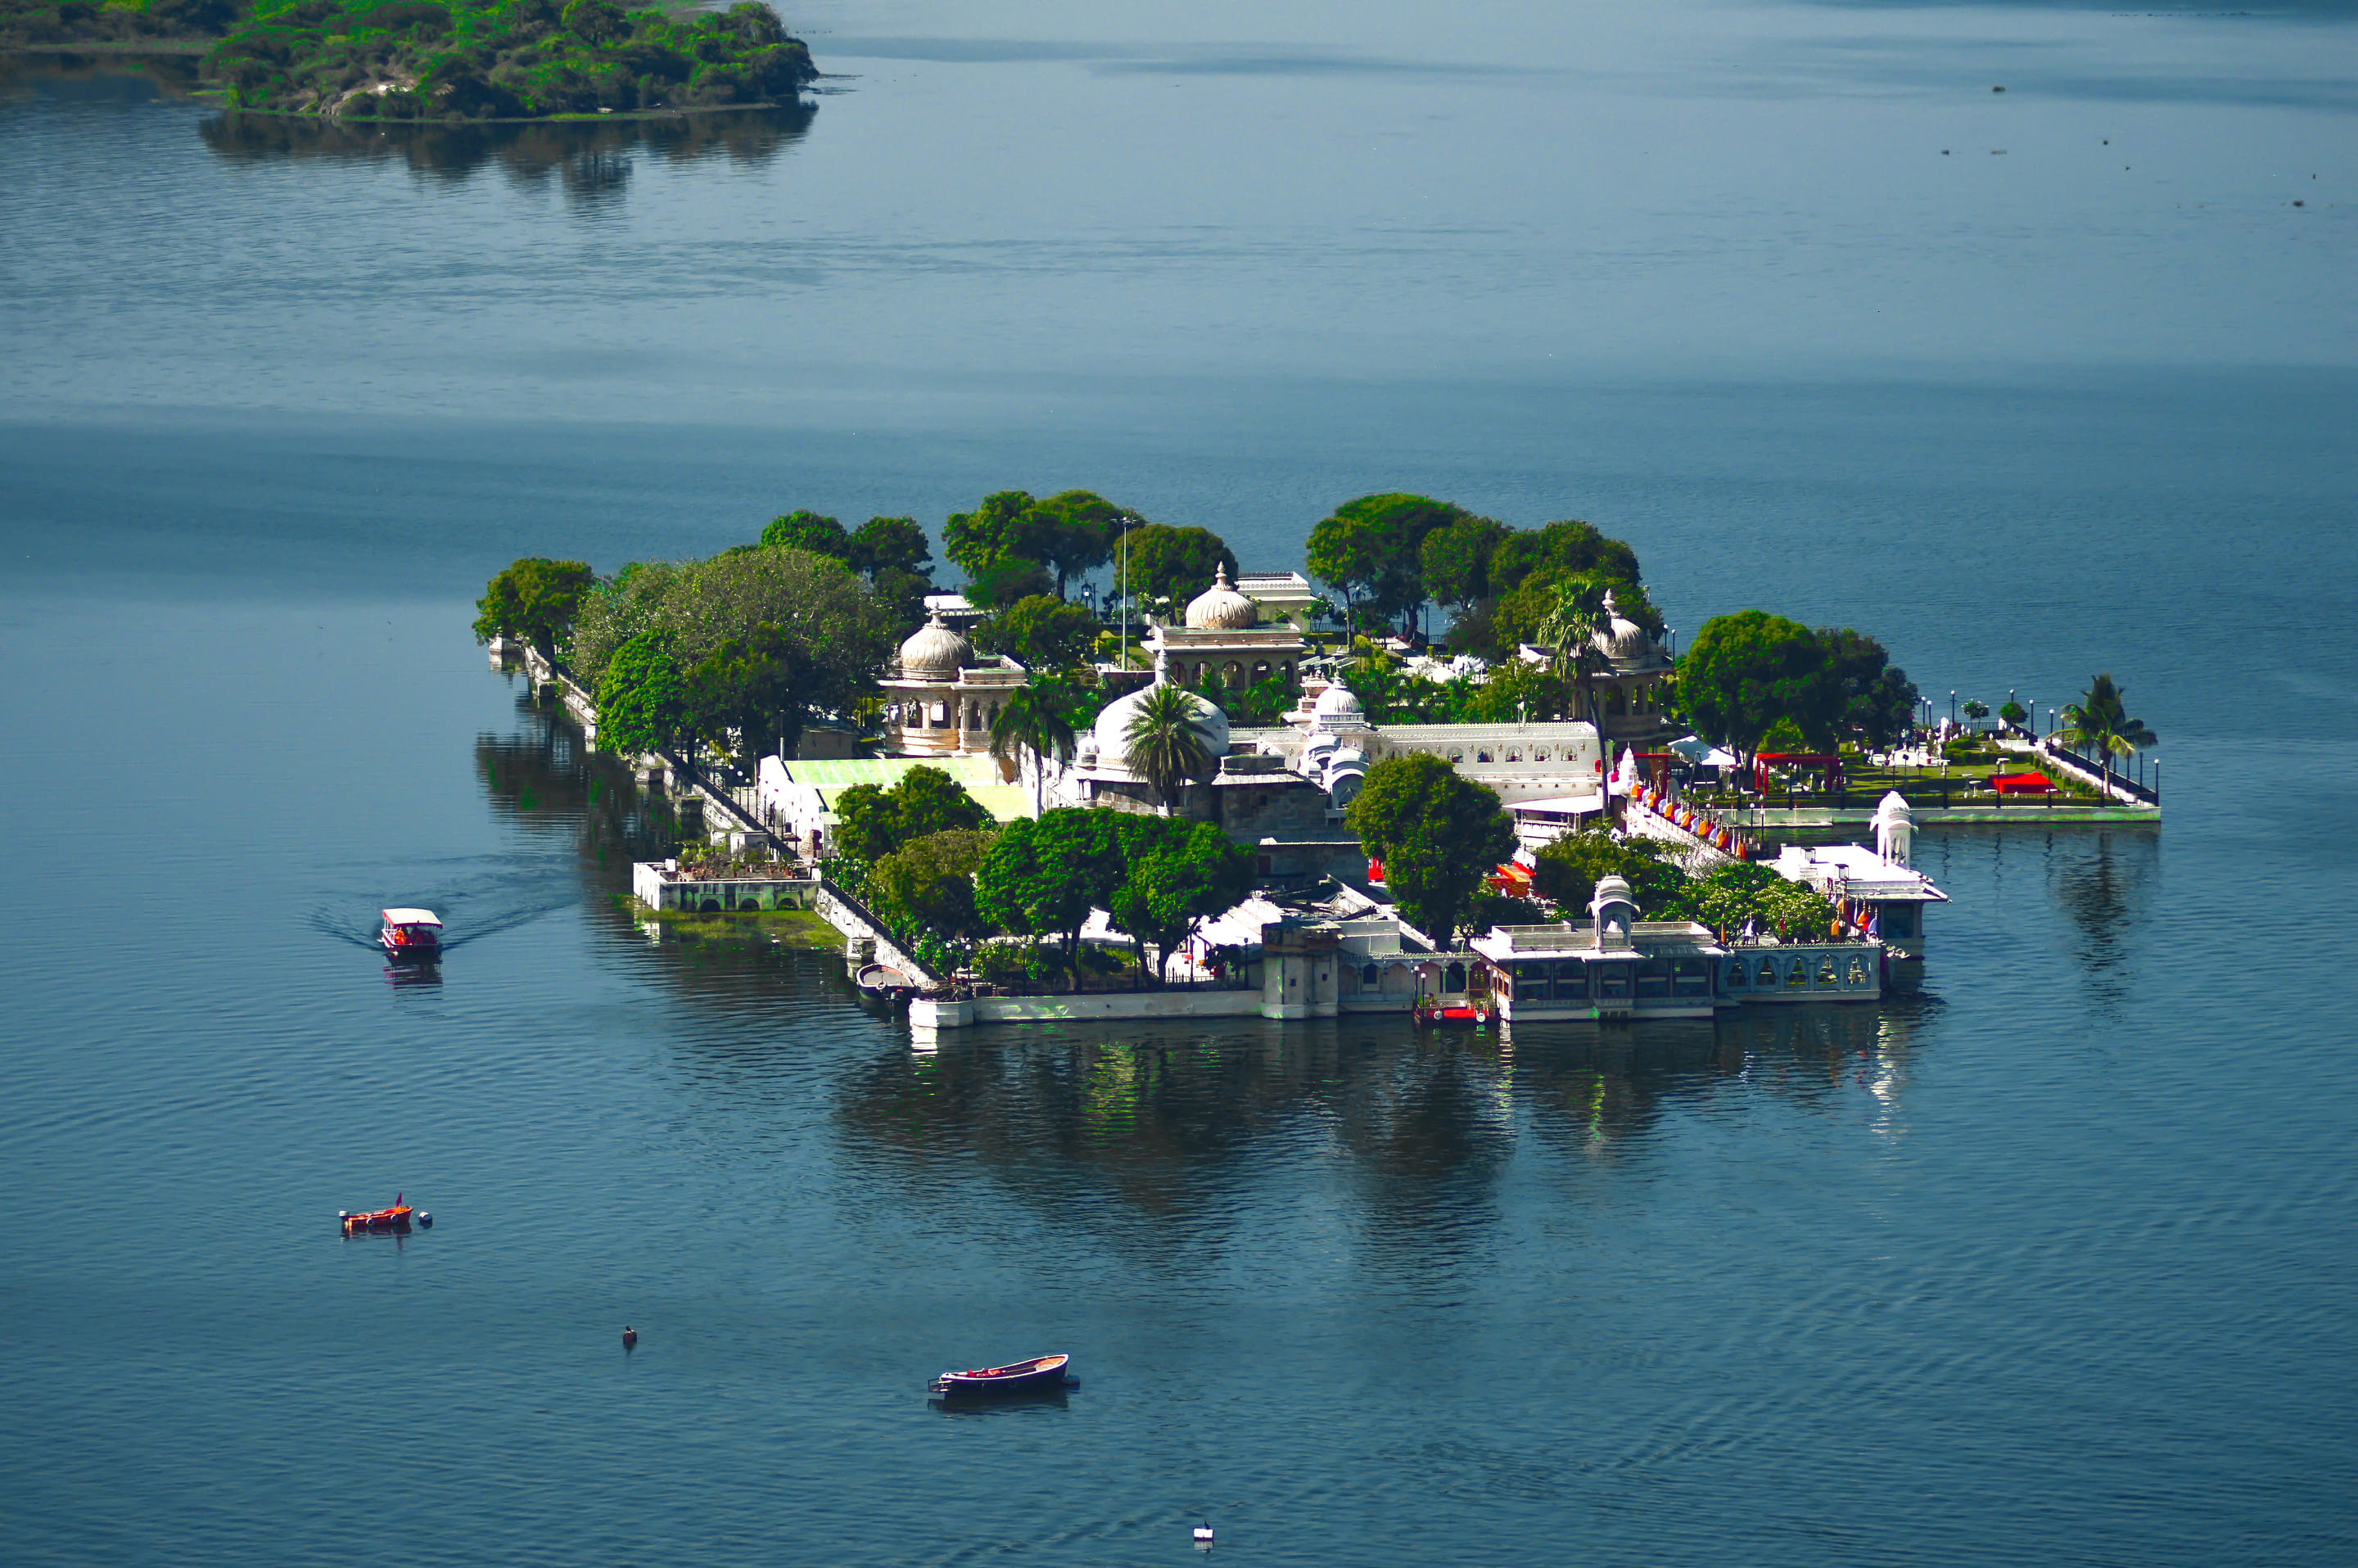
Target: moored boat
{"x": 1016, "y": 1378}
{"x": 1451, "y": 1015}
{"x": 884, "y": 982}
{"x": 411, "y": 935}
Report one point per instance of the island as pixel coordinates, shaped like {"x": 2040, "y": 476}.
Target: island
{"x": 449, "y": 59}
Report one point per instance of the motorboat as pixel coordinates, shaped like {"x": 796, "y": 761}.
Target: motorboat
{"x": 396, "y": 1218}
{"x": 411, "y": 935}
{"x": 1042, "y": 1372}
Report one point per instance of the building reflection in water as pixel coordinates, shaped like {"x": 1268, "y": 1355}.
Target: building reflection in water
{"x": 1164, "y": 1116}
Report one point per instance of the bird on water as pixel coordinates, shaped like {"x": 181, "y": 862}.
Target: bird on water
{"x": 630, "y": 1336}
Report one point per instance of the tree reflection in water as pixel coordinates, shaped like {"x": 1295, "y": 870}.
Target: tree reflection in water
{"x": 589, "y": 159}
{"x": 544, "y": 781}
{"x": 1163, "y": 1116}
{"x": 2103, "y": 887}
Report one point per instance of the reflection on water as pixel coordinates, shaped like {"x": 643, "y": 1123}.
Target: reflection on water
{"x": 589, "y": 158}
{"x": 1158, "y": 1118}
{"x": 119, "y": 76}
{"x": 547, "y": 783}
{"x": 2103, "y": 889}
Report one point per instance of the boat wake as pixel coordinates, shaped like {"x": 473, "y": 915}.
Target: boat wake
{"x": 502, "y": 897}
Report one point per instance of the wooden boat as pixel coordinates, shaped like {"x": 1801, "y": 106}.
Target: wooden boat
{"x": 1016, "y": 1378}
{"x": 884, "y": 982}
{"x": 396, "y": 1218}
{"x": 411, "y": 935}
{"x": 1453, "y": 1015}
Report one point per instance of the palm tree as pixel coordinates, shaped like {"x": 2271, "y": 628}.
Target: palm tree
{"x": 1033, "y": 719}
{"x": 2100, "y": 722}
{"x": 1165, "y": 748}
{"x": 1571, "y": 629}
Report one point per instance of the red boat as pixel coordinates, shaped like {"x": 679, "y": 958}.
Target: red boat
{"x": 1017, "y": 1376}
{"x": 396, "y": 1218}
{"x": 1455, "y": 1015}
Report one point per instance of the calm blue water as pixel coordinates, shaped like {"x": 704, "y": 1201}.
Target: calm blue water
{"x": 2057, "y": 1263}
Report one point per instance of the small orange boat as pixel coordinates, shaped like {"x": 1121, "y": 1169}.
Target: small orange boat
{"x": 396, "y": 1218}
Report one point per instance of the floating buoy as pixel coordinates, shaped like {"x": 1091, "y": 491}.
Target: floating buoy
{"x": 630, "y": 1336}
{"x": 1204, "y": 1533}
{"x": 425, "y": 1220}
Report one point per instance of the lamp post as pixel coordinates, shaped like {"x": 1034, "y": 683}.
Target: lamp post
{"x": 1952, "y": 711}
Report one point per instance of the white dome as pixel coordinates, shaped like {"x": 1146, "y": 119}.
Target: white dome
{"x": 1337, "y": 709}
{"x": 1622, "y": 640}
{"x": 933, "y": 650}
{"x": 1220, "y": 607}
{"x": 1112, "y": 730}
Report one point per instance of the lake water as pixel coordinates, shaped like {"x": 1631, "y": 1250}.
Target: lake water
{"x": 2058, "y": 1262}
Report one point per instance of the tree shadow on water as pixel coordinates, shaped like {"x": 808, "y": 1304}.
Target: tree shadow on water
{"x": 591, "y": 160}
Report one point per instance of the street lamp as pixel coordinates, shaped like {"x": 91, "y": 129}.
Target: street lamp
{"x": 1952, "y": 710}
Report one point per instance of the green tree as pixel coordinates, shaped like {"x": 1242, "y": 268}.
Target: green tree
{"x": 1044, "y": 634}
{"x": 642, "y": 700}
{"x": 814, "y": 609}
{"x": 1165, "y": 741}
{"x": 1037, "y": 718}
{"x": 1566, "y": 872}
{"x": 928, "y": 884}
{"x": 1746, "y": 671}
{"x": 1370, "y": 549}
{"x": 751, "y": 693}
{"x": 2100, "y": 722}
{"x": 1002, "y": 545}
{"x": 1438, "y": 834}
{"x": 1455, "y": 559}
{"x": 1176, "y": 875}
{"x": 535, "y": 599}
{"x": 891, "y": 543}
{"x": 1043, "y": 876}
{"x": 1172, "y": 566}
{"x": 1878, "y": 700}
{"x": 1571, "y": 632}
{"x": 1086, "y": 524}
{"x": 872, "y": 822}
{"x": 1528, "y": 568}
{"x": 809, "y": 531}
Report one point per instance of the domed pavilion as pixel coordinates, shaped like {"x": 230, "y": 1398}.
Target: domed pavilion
{"x": 1223, "y": 641}
{"x": 938, "y": 701}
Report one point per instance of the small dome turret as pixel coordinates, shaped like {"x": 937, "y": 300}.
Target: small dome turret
{"x": 1625, "y": 641}
{"x": 1110, "y": 735}
{"x": 1220, "y": 607}
{"x": 1337, "y": 709}
{"x": 933, "y": 650}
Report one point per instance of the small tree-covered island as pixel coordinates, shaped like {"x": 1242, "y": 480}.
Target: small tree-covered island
{"x": 1111, "y": 770}
{"x": 441, "y": 59}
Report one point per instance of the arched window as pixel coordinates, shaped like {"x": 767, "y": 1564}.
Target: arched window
{"x": 1453, "y": 980}
{"x": 1827, "y": 977}
{"x": 1766, "y": 978}
{"x": 1372, "y": 977}
{"x": 1456, "y": 756}
{"x": 1739, "y": 975}
{"x": 1515, "y": 756}
{"x": 1857, "y": 970}
{"x": 1481, "y": 756}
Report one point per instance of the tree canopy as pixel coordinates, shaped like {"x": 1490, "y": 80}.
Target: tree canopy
{"x": 1175, "y": 876}
{"x": 1438, "y": 834}
{"x": 413, "y": 60}
{"x": 1014, "y": 545}
{"x": 929, "y": 883}
{"x": 1039, "y": 719}
{"x": 1043, "y": 875}
{"x": 1878, "y": 700}
{"x": 535, "y": 599}
{"x": 1171, "y": 565}
{"x": 2100, "y": 720}
{"x": 872, "y": 822}
{"x": 1044, "y": 634}
{"x": 1370, "y": 550}
{"x": 821, "y": 535}
{"x": 1567, "y": 872}
{"x": 642, "y": 699}
{"x": 1744, "y": 672}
